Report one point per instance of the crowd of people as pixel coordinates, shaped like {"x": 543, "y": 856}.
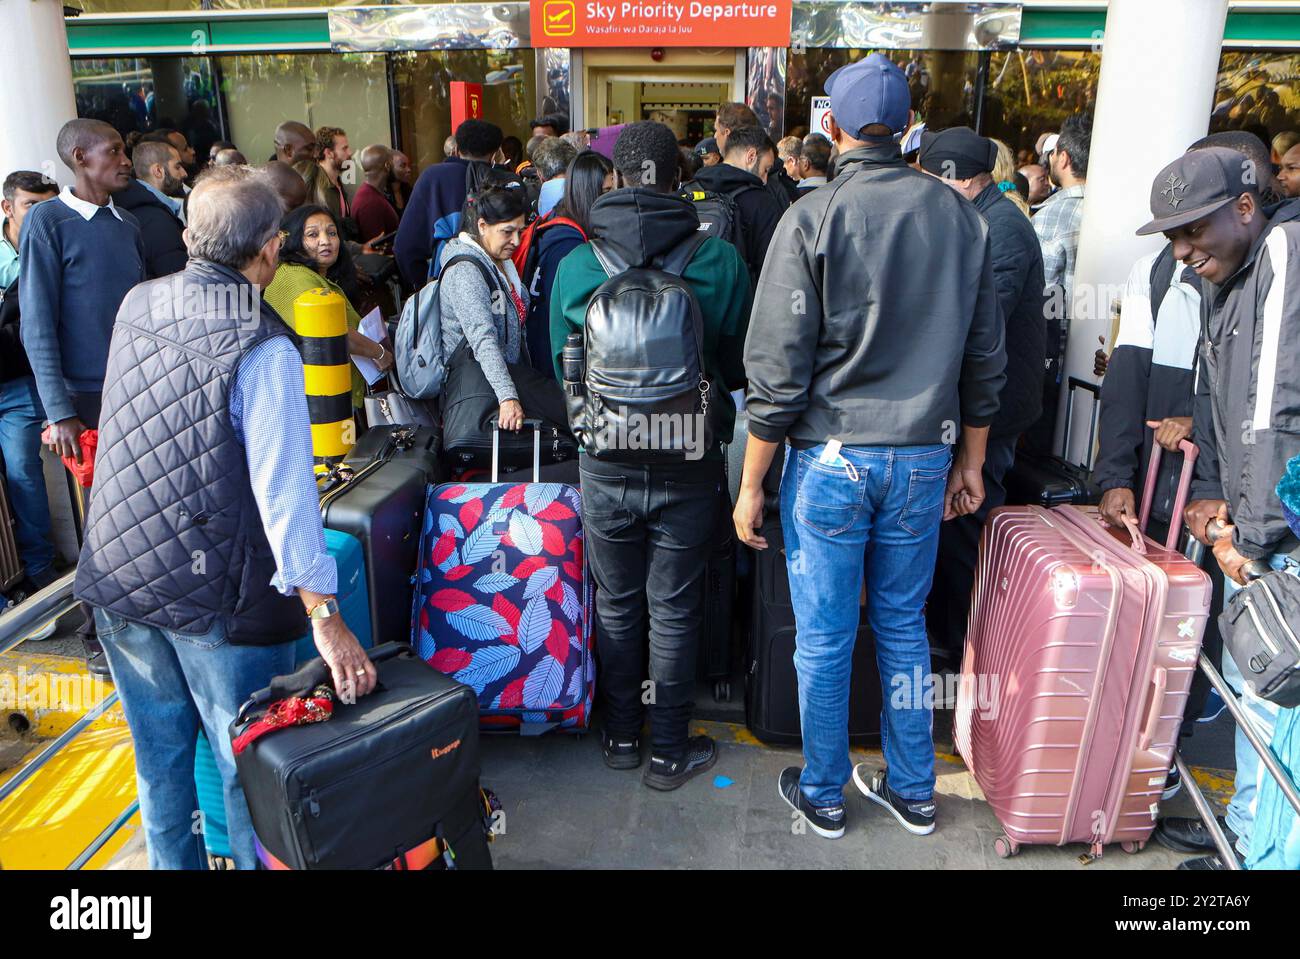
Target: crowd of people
{"x": 882, "y": 295}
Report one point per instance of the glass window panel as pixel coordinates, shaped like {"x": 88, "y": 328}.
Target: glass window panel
{"x": 1030, "y": 91}
{"x": 423, "y": 79}
{"x": 942, "y": 83}
{"x": 1258, "y": 90}
{"x": 320, "y": 89}
{"x": 150, "y": 6}
{"x": 139, "y": 94}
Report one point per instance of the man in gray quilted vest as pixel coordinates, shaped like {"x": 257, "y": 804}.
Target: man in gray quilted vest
{"x": 204, "y": 557}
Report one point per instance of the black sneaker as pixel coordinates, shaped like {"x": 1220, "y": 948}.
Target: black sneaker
{"x": 1202, "y": 864}
{"x": 621, "y": 752}
{"x": 825, "y": 821}
{"x": 1173, "y": 783}
{"x": 1188, "y": 834}
{"x": 701, "y": 753}
{"x": 917, "y": 817}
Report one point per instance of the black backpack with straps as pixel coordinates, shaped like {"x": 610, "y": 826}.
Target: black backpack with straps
{"x": 644, "y": 395}
{"x": 719, "y": 212}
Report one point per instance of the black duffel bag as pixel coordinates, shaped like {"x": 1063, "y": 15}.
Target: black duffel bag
{"x": 470, "y": 407}
{"x": 390, "y": 782}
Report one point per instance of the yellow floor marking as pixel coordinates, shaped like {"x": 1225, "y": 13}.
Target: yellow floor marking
{"x": 57, "y": 813}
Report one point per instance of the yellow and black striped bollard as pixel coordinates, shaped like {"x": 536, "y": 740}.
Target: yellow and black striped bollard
{"x": 320, "y": 317}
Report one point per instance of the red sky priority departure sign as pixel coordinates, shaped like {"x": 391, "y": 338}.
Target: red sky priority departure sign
{"x": 670, "y": 23}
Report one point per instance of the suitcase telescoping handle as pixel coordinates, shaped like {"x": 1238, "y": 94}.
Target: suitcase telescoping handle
{"x": 307, "y": 677}
{"x": 537, "y": 449}
{"x": 1190, "y": 452}
{"x": 1072, "y": 384}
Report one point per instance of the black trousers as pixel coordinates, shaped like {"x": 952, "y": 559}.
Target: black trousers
{"x": 648, "y": 532}
{"x": 948, "y": 606}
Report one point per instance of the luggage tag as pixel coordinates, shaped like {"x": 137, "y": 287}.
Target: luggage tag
{"x": 831, "y": 454}
{"x": 831, "y": 457}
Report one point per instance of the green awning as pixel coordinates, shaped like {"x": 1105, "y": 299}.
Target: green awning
{"x": 104, "y": 35}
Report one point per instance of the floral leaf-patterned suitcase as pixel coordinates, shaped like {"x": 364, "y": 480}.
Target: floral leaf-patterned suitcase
{"x": 502, "y": 601}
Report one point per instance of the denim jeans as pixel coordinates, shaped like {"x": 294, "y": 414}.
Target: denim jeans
{"x": 878, "y": 515}
{"x": 1250, "y": 771}
{"x": 648, "y": 532}
{"x": 21, "y": 416}
{"x": 170, "y": 684}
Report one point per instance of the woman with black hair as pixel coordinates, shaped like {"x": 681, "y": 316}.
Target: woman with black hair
{"x": 590, "y": 176}
{"x": 313, "y": 255}
{"x": 485, "y": 305}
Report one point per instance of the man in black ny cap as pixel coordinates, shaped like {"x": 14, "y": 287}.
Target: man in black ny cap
{"x": 875, "y": 345}
{"x": 1246, "y": 420}
{"x": 964, "y": 161}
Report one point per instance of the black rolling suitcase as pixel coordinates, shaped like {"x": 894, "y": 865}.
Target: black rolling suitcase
{"x": 771, "y": 686}
{"x": 417, "y": 446}
{"x": 469, "y": 410}
{"x": 390, "y": 782}
{"x": 1043, "y": 479}
{"x": 378, "y": 497}
{"x": 718, "y": 594}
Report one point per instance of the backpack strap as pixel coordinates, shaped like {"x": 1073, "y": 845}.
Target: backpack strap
{"x": 677, "y": 260}
{"x": 436, "y": 283}
{"x": 609, "y": 260}
{"x": 470, "y": 258}
{"x": 552, "y": 219}
{"x": 1162, "y": 274}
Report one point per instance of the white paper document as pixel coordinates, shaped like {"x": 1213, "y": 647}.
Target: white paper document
{"x": 372, "y": 327}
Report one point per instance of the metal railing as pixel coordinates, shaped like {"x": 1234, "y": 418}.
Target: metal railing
{"x": 36, "y": 612}
{"x": 1227, "y": 855}
{"x": 24, "y": 620}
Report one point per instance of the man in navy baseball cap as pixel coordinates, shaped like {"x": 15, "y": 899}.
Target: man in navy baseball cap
{"x": 891, "y": 353}
{"x": 869, "y": 93}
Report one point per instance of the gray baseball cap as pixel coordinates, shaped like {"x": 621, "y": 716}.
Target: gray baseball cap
{"x": 1195, "y": 185}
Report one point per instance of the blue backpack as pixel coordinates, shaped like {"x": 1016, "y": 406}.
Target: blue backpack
{"x": 445, "y": 229}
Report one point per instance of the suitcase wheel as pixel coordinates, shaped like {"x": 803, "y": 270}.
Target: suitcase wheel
{"x": 1132, "y": 846}
{"x": 1005, "y": 847}
{"x": 722, "y": 691}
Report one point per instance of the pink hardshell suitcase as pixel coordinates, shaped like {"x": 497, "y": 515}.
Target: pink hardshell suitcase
{"x": 1079, "y": 657}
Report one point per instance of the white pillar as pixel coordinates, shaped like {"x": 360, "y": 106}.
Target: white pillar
{"x": 1159, "y": 64}
{"x": 36, "y": 96}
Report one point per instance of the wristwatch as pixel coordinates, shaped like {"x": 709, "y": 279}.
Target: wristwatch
{"x": 324, "y": 609}
{"x": 1254, "y": 569}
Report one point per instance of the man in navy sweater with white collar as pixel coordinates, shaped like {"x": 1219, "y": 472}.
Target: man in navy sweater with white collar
{"x": 440, "y": 191}
{"x": 80, "y": 256}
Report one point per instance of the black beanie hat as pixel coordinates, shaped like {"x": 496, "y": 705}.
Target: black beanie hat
{"x": 957, "y": 153}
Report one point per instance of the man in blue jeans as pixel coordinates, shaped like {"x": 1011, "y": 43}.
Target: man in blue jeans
{"x": 204, "y": 557}
{"x": 21, "y": 413}
{"x": 876, "y": 343}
